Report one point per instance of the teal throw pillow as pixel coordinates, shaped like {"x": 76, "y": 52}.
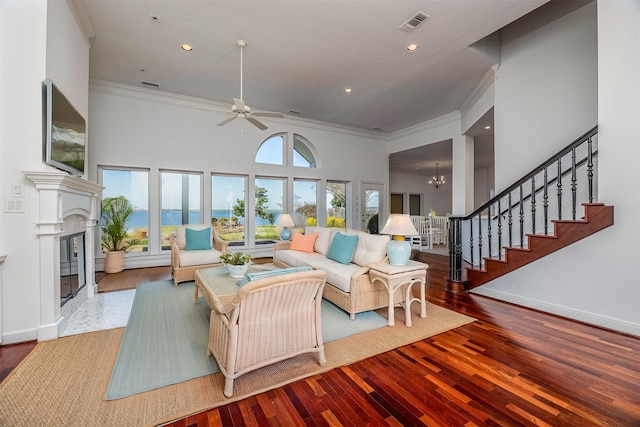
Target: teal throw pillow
{"x": 342, "y": 248}
{"x": 198, "y": 240}
{"x": 270, "y": 273}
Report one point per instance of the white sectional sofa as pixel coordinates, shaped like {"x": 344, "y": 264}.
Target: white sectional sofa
{"x": 348, "y": 285}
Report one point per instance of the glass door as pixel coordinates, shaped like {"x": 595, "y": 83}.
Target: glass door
{"x": 370, "y": 207}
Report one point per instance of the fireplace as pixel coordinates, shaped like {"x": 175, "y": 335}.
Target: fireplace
{"x": 68, "y": 215}
{"x": 72, "y": 277}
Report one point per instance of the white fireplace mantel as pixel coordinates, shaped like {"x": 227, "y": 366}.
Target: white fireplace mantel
{"x": 62, "y": 196}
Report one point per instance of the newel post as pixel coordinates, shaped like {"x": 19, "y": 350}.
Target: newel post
{"x": 454, "y": 280}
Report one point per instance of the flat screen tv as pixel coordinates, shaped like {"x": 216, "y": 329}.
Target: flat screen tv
{"x": 64, "y": 130}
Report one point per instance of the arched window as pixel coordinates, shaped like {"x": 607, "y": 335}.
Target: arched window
{"x": 275, "y": 151}
{"x": 271, "y": 151}
{"x": 302, "y": 153}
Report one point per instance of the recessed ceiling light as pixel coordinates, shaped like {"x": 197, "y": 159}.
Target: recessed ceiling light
{"x": 348, "y": 90}
{"x": 186, "y": 47}
{"x": 412, "y": 47}
{"x": 487, "y": 127}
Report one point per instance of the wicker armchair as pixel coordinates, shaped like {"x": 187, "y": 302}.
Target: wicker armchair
{"x": 184, "y": 264}
{"x": 269, "y": 320}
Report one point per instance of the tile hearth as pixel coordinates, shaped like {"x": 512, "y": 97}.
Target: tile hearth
{"x": 105, "y": 311}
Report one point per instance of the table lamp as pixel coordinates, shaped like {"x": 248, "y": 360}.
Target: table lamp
{"x": 285, "y": 221}
{"x": 398, "y": 249}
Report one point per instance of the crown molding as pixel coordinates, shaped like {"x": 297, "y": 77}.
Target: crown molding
{"x": 443, "y": 120}
{"x": 487, "y": 81}
{"x": 82, "y": 18}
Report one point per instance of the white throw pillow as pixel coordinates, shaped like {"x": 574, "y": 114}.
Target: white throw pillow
{"x": 323, "y": 241}
{"x": 371, "y": 248}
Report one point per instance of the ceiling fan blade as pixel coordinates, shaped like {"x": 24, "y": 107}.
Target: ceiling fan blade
{"x": 256, "y": 123}
{"x": 225, "y": 121}
{"x": 240, "y": 106}
{"x": 268, "y": 114}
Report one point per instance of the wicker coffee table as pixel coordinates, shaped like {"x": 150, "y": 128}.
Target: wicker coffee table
{"x": 216, "y": 280}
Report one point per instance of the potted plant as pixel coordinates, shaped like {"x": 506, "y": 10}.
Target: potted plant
{"x": 115, "y": 237}
{"x": 237, "y": 263}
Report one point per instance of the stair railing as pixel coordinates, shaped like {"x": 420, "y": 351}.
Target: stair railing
{"x": 526, "y": 207}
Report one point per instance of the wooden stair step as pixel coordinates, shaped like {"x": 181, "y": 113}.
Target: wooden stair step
{"x": 597, "y": 217}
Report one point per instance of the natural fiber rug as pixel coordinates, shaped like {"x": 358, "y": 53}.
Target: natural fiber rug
{"x": 62, "y": 381}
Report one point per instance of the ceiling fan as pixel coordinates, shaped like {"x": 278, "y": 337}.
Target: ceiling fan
{"x": 241, "y": 110}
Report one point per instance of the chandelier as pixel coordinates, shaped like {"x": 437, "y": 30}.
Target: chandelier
{"x": 435, "y": 181}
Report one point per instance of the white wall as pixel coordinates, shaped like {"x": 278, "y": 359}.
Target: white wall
{"x": 545, "y": 93}
{"x": 553, "y": 85}
{"x": 38, "y": 40}
{"x": 154, "y": 130}
{"x": 483, "y": 184}
{"x": 437, "y": 199}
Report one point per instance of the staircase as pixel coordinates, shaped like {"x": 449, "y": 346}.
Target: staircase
{"x": 597, "y": 217}
{"x": 527, "y": 220}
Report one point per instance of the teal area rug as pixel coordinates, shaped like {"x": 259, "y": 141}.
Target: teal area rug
{"x": 165, "y": 341}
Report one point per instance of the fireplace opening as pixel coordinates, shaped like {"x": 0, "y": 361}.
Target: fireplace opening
{"x": 72, "y": 272}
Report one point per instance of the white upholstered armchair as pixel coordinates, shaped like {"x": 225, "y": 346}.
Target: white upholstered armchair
{"x": 269, "y": 320}
{"x": 185, "y": 262}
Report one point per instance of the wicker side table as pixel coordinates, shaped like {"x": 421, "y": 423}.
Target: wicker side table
{"x": 394, "y": 277}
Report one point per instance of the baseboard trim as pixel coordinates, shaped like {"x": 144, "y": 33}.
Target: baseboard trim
{"x": 17, "y": 337}
{"x": 558, "y": 310}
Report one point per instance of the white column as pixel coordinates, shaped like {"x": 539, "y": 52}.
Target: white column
{"x": 89, "y": 249}
{"x": 49, "y": 229}
{"x": 462, "y": 184}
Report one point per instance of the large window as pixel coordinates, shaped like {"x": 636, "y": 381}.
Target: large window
{"x": 180, "y": 195}
{"x": 228, "y": 209}
{"x": 134, "y": 185}
{"x": 336, "y": 204}
{"x": 269, "y": 194}
{"x": 304, "y": 203}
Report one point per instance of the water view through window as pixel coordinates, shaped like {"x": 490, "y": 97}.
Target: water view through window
{"x": 134, "y": 185}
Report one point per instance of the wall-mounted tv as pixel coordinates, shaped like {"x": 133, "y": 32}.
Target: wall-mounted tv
{"x": 64, "y": 129}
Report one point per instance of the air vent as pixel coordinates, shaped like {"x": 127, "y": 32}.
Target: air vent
{"x": 293, "y": 112}
{"x": 152, "y": 84}
{"x": 413, "y": 22}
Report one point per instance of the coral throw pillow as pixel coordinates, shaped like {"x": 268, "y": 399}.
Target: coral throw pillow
{"x": 303, "y": 243}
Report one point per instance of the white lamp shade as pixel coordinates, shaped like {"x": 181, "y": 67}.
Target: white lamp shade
{"x": 399, "y": 225}
{"x": 399, "y": 251}
{"x": 285, "y": 220}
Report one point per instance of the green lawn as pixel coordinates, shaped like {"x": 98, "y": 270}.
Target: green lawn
{"x": 263, "y": 232}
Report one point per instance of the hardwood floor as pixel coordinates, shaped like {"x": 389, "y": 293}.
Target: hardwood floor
{"x": 514, "y": 366}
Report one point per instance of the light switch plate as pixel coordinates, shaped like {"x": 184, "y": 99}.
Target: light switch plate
{"x": 16, "y": 190}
